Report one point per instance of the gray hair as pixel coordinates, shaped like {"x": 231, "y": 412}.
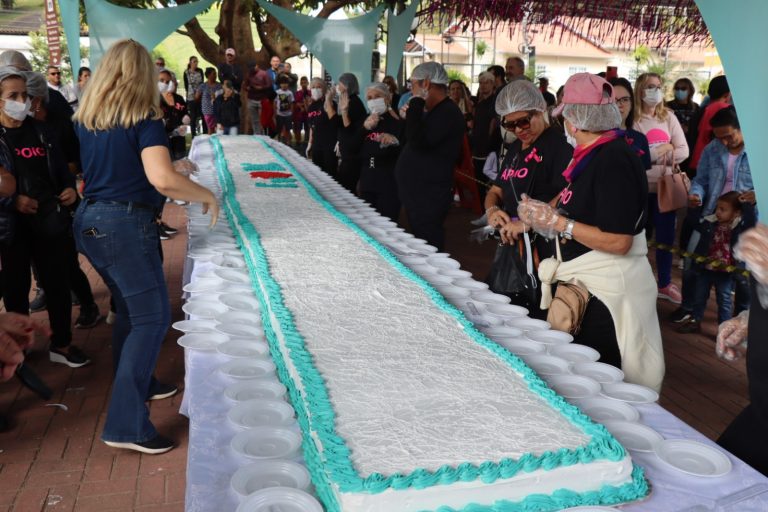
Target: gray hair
{"x": 381, "y": 87}
{"x": 15, "y": 59}
{"x": 486, "y": 76}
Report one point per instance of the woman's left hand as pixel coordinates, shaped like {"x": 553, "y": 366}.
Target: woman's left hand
{"x": 68, "y": 196}
{"x": 511, "y": 231}
{"x": 540, "y": 216}
{"x": 343, "y": 101}
{"x": 371, "y": 121}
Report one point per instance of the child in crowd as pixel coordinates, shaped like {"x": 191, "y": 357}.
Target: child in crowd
{"x": 226, "y": 109}
{"x": 284, "y": 109}
{"x": 715, "y": 237}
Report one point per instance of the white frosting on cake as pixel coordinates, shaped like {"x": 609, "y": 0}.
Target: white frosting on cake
{"x": 410, "y": 389}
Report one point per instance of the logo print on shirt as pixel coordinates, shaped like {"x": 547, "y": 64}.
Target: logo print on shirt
{"x": 514, "y": 173}
{"x": 30, "y": 152}
{"x": 565, "y": 196}
{"x": 533, "y": 155}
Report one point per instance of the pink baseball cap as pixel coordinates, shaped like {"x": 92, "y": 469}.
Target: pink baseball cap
{"x": 585, "y": 89}
{"x": 230, "y": 51}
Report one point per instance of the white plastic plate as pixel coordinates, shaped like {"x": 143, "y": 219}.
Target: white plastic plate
{"x": 250, "y": 318}
{"x": 549, "y": 337}
{"x": 574, "y": 353}
{"x": 233, "y": 275}
{"x": 202, "y": 340}
{"x": 693, "y": 457}
{"x": 262, "y": 413}
{"x": 520, "y": 346}
{"x": 194, "y": 325}
{"x": 239, "y": 302}
{"x": 544, "y": 364}
{"x": 269, "y": 473}
{"x": 634, "y": 436}
{"x": 205, "y": 310}
{"x": 573, "y": 386}
{"x": 601, "y": 372}
{"x": 266, "y": 389}
{"x": 604, "y": 409}
{"x": 267, "y": 443}
{"x": 632, "y": 393}
{"x": 243, "y": 348}
{"x": 248, "y": 368}
{"x": 241, "y": 330}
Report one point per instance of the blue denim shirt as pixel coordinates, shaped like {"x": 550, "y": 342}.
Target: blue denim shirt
{"x": 711, "y": 173}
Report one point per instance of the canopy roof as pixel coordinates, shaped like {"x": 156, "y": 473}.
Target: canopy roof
{"x": 628, "y": 22}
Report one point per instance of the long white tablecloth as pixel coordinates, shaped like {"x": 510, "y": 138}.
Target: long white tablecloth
{"x": 211, "y": 462}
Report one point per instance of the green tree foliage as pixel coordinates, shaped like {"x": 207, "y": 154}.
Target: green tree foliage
{"x": 40, "y": 55}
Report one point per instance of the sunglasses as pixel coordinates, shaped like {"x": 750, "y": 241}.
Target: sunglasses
{"x": 55, "y": 73}
{"x": 523, "y": 123}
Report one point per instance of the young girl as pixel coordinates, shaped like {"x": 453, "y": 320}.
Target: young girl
{"x": 206, "y": 94}
{"x": 284, "y": 109}
{"x": 715, "y": 237}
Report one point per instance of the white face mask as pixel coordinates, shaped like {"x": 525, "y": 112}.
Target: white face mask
{"x": 569, "y": 137}
{"x": 163, "y": 87}
{"x": 377, "y": 106}
{"x": 653, "y": 97}
{"x": 16, "y": 109}
{"x": 316, "y": 93}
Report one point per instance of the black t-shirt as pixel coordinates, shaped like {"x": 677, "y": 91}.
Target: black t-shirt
{"x": 611, "y": 194}
{"x": 30, "y": 162}
{"x": 485, "y": 130}
{"x": 378, "y": 163}
{"x": 424, "y": 170}
{"x": 536, "y": 170}
{"x": 347, "y": 134}
{"x": 323, "y": 129}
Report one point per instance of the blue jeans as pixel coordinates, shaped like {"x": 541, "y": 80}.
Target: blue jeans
{"x": 122, "y": 243}
{"x": 723, "y": 282}
{"x": 664, "y": 228}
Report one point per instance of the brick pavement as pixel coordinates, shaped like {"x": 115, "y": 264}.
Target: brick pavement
{"x": 52, "y": 459}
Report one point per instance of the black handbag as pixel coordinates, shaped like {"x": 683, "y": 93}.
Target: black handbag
{"x": 509, "y": 276}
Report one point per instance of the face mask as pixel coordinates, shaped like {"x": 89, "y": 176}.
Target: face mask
{"x": 316, "y": 93}
{"x": 377, "y": 106}
{"x": 652, "y": 97}
{"x": 569, "y": 137}
{"x": 16, "y": 109}
{"x": 162, "y": 87}
{"x": 681, "y": 95}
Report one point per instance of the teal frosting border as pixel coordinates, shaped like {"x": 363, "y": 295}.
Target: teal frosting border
{"x": 334, "y": 465}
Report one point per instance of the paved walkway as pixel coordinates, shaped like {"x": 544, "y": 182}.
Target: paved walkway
{"x": 53, "y": 460}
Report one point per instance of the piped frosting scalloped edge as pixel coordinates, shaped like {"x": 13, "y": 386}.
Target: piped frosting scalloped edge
{"x": 334, "y": 464}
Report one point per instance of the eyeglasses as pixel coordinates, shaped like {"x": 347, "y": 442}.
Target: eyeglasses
{"x": 55, "y": 73}
{"x": 624, "y": 100}
{"x": 523, "y": 123}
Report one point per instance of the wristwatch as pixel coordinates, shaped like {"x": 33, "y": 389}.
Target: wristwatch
{"x": 567, "y": 233}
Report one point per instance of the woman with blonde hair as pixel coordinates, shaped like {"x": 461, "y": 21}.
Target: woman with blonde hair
{"x": 127, "y": 170}
{"x": 668, "y": 147}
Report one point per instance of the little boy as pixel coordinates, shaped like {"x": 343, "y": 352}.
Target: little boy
{"x": 284, "y": 109}
{"x": 715, "y": 237}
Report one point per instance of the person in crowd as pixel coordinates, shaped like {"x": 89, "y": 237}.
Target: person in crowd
{"x": 719, "y": 93}
{"x": 293, "y": 83}
{"x": 37, "y": 218}
{"x": 174, "y": 110}
{"x": 745, "y": 436}
{"x": 404, "y": 99}
{"x": 434, "y": 129}
{"x": 83, "y": 75}
{"x": 206, "y": 94}
{"x": 274, "y": 70}
{"x": 459, "y": 95}
{"x": 302, "y": 100}
{"x": 686, "y": 111}
{"x": 597, "y": 226}
{"x": 485, "y": 136}
{"x": 159, "y": 64}
{"x": 718, "y": 234}
{"x": 323, "y": 127}
{"x": 54, "y": 82}
{"x": 514, "y": 69}
{"x": 723, "y": 167}
{"x": 193, "y": 79}
{"x": 544, "y": 88}
{"x": 393, "y": 90}
{"x": 89, "y": 316}
{"x": 352, "y": 113}
{"x": 284, "y": 102}
{"x": 668, "y": 148}
{"x": 230, "y": 69}
{"x": 226, "y": 110}
{"x": 115, "y": 229}
{"x": 533, "y": 165}
{"x": 379, "y": 141}
{"x": 498, "y": 77}
{"x": 258, "y": 87}
{"x": 625, "y": 101}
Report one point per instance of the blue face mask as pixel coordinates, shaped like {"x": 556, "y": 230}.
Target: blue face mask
{"x": 681, "y": 95}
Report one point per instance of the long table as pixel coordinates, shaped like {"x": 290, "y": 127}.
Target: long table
{"x": 211, "y": 462}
